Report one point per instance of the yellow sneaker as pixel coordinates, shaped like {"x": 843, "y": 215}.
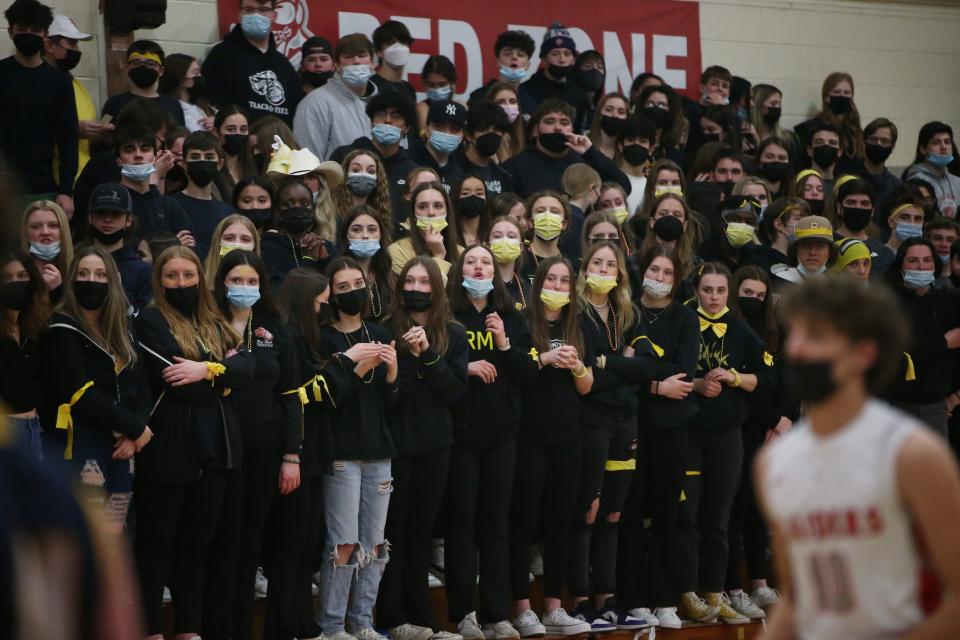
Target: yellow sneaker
{"x": 725, "y": 612}
{"x": 694, "y": 608}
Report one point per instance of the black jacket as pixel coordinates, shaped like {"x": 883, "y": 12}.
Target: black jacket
{"x": 450, "y": 173}
{"x": 19, "y": 374}
{"x": 136, "y": 277}
{"x": 534, "y": 171}
{"x": 157, "y": 212}
{"x": 281, "y": 254}
{"x": 495, "y": 178}
{"x": 264, "y": 83}
{"x": 539, "y": 87}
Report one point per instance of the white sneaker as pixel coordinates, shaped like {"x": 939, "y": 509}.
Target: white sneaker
{"x": 560, "y": 623}
{"x": 764, "y": 597}
{"x": 410, "y": 632}
{"x": 339, "y": 635}
{"x": 502, "y": 630}
{"x": 743, "y": 605}
{"x": 642, "y": 613}
{"x": 446, "y": 635}
{"x": 433, "y": 581}
{"x": 469, "y": 628}
{"x": 167, "y": 598}
{"x": 529, "y": 625}
{"x": 668, "y": 617}
{"x": 369, "y": 634}
{"x": 260, "y": 585}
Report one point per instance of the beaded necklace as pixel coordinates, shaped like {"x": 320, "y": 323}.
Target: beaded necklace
{"x": 365, "y": 333}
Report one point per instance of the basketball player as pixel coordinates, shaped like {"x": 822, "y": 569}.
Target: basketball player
{"x": 861, "y": 497}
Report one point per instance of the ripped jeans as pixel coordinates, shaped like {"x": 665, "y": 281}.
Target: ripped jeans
{"x": 355, "y": 499}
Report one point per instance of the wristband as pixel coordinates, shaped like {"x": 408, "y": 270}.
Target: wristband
{"x": 291, "y": 459}
{"x": 583, "y": 371}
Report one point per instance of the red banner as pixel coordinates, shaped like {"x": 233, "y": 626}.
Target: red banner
{"x": 635, "y": 36}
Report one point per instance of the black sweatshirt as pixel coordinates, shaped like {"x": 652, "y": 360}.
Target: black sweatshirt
{"x": 450, "y": 173}
{"x": 430, "y": 385}
{"x": 490, "y": 414}
{"x": 38, "y": 116}
{"x": 195, "y": 426}
{"x": 115, "y": 104}
{"x": 268, "y": 418}
{"x": 281, "y": 254}
{"x": 264, "y": 83}
{"x": 360, "y": 430}
{"x": 117, "y": 402}
{"x": 157, "y": 212}
{"x": 495, "y": 178}
{"x": 533, "y": 170}
{"x": 19, "y": 374}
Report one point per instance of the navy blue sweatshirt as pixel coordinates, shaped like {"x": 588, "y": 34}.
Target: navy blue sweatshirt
{"x": 135, "y": 276}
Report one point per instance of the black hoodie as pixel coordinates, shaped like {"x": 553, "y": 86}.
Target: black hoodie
{"x": 264, "y": 83}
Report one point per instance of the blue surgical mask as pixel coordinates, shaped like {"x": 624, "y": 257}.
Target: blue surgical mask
{"x": 807, "y": 274}
{"x": 45, "y": 252}
{"x": 939, "y": 160}
{"x": 477, "y": 289}
{"x": 255, "y": 25}
{"x": 364, "y": 248}
{"x": 387, "y": 134}
{"x": 511, "y": 75}
{"x": 356, "y": 75}
{"x": 138, "y": 172}
{"x": 915, "y": 279}
{"x": 907, "y": 230}
{"x": 440, "y": 93}
{"x": 444, "y": 142}
{"x": 243, "y": 296}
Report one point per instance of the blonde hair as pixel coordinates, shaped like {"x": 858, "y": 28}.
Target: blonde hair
{"x": 738, "y": 189}
{"x": 65, "y": 259}
{"x": 379, "y": 199}
{"x": 211, "y": 327}
{"x": 212, "y": 262}
{"x": 761, "y": 93}
{"x": 578, "y": 178}
{"x": 620, "y": 297}
{"x": 325, "y": 212}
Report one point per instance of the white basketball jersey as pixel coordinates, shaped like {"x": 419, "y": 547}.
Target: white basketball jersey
{"x": 852, "y": 554}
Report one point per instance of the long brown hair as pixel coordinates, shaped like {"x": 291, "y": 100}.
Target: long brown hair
{"x": 516, "y": 139}
{"x": 212, "y": 261}
{"x": 211, "y": 327}
{"x": 766, "y": 323}
{"x": 300, "y": 288}
{"x": 34, "y": 317}
{"x": 450, "y": 235}
{"x": 63, "y": 261}
{"x": 851, "y": 134}
{"x": 438, "y": 315}
{"x": 686, "y": 245}
{"x": 569, "y": 315}
{"x": 379, "y": 198}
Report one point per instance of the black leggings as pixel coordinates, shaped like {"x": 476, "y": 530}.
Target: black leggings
{"x": 418, "y": 483}
{"x": 307, "y": 562}
{"x": 648, "y": 575}
{"x": 551, "y": 506}
{"x": 176, "y": 523}
{"x": 748, "y": 531}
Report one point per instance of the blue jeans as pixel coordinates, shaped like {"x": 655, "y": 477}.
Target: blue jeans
{"x": 27, "y": 432}
{"x": 356, "y": 498}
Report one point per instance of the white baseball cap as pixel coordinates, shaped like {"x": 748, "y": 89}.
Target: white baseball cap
{"x": 64, "y": 27}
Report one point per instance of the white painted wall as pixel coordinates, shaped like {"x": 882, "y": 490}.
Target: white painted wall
{"x": 903, "y": 55}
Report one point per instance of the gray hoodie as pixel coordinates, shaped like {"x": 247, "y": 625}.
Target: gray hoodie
{"x": 331, "y": 117}
{"x": 946, "y": 186}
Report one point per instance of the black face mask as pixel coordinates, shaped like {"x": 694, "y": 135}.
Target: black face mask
{"x": 774, "y": 171}
{"x": 28, "y": 44}
{"x": 198, "y": 90}
{"x": 610, "y": 125}
{"x": 143, "y": 77}
{"x": 659, "y": 117}
{"x": 825, "y": 156}
{"x": 590, "y": 80}
{"x": 16, "y": 295}
{"x": 259, "y": 217}
{"x": 668, "y": 228}
{"x": 810, "y": 382}
{"x": 351, "y": 302}
{"x": 840, "y": 104}
{"x": 316, "y": 78}
{"x": 202, "y": 172}
{"x": 235, "y": 143}
{"x": 108, "y": 238}
{"x": 296, "y": 220}
{"x": 471, "y": 206}
{"x": 417, "y": 300}
{"x": 816, "y": 206}
{"x": 856, "y": 219}
{"x": 488, "y": 143}
{"x": 635, "y": 154}
{"x": 183, "y": 299}
{"x": 750, "y": 307}
{"x": 70, "y": 60}
{"x": 553, "y": 142}
{"x": 560, "y": 72}
{"x": 90, "y": 295}
{"x": 711, "y": 137}
{"x": 772, "y": 116}
{"x": 877, "y": 153}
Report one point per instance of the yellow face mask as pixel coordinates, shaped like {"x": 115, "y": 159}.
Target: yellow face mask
{"x": 437, "y": 224}
{"x": 227, "y": 248}
{"x": 547, "y": 226}
{"x": 738, "y": 234}
{"x": 505, "y": 250}
{"x": 554, "y": 300}
{"x": 601, "y": 284}
{"x": 620, "y": 213}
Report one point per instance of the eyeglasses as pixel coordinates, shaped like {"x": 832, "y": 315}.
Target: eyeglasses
{"x": 658, "y": 105}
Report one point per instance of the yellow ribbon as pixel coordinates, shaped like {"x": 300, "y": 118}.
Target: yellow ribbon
{"x": 767, "y": 359}
{"x": 535, "y": 354}
{"x": 911, "y": 373}
{"x": 317, "y": 385}
{"x": 214, "y": 369}
{"x": 656, "y": 348}
{"x": 65, "y": 419}
{"x": 621, "y": 465}
{"x": 719, "y": 328}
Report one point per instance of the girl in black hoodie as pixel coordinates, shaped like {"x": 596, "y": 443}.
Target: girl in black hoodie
{"x": 190, "y": 353}
{"x": 294, "y": 245}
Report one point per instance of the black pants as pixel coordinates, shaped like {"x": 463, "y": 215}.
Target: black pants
{"x": 284, "y": 541}
{"x": 607, "y": 464}
{"x": 176, "y": 523}
{"x": 220, "y": 588}
{"x": 648, "y": 574}
{"x": 705, "y": 514}
{"x": 747, "y": 535}
{"x": 478, "y": 503}
{"x": 544, "y": 493}
{"x": 418, "y": 484}
{"x": 307, "y": 563}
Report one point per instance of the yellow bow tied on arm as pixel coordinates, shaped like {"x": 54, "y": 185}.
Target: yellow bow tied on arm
{"x": 719, "y": 328}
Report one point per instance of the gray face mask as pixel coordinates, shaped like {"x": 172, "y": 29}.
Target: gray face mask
{"x": 361, "y": 184}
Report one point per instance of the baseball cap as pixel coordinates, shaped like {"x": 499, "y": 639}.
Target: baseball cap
{"x": 63, "y": 26}
{"x": 454, "y": 112}
{"x": 814, "y": 228}
{"x": 316, "y": 44}
{"x": 111, "y": 196}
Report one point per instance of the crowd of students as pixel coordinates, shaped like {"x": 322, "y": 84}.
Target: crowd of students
{"x": 303, "y": 322}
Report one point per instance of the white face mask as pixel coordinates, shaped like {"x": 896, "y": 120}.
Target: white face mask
{"x": 655, "y": 289}
{"x": 396, "y": 55}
